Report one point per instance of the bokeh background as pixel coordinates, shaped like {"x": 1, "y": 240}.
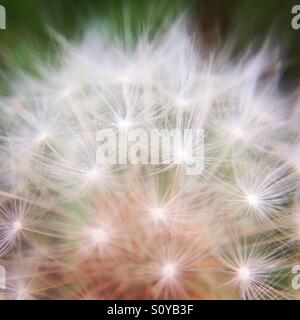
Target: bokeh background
{"x": 28, "y": 23}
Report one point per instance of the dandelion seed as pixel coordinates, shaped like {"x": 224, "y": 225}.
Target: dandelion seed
{"x": 169, "y": 271}
{"x": 158, "y": 214}
{"x": 93, "y": 174}
{"x": 42, "y": 136}
{"x": 181, "y": 156}
{"x": 244, "y": 274}
{"x": 124, "y": 123}
{"x": 253, "y": 200}
{"x": 99, "y": 236}
{"x": 237, "y": 132}
{"x": 17, "y": 226}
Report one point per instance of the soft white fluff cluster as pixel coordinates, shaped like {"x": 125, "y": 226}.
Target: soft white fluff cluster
{"x": 72, "y": 229}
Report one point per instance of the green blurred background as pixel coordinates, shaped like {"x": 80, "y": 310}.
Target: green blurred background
{"x": 28, "y": 22}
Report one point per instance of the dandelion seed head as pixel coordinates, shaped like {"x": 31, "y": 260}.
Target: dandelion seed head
{"x": 156, "y": 225}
